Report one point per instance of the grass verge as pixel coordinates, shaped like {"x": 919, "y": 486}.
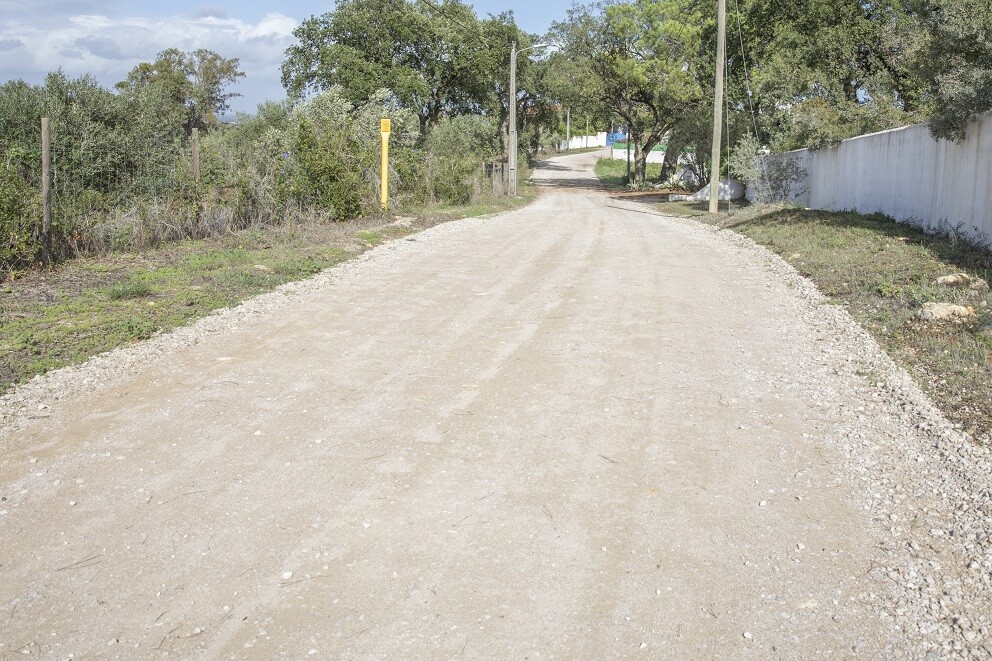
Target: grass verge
{"x": 86, "y": 306}
{"x": 883, "y": 272}
{"x": 613, "y": 172}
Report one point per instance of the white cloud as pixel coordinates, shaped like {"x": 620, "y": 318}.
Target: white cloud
{"x": 109, "y": 47}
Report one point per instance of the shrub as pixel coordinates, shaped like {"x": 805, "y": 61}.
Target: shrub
{"x": 20, "y": 215}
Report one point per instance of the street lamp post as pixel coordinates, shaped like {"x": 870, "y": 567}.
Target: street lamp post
{"x": 512, "y": 184}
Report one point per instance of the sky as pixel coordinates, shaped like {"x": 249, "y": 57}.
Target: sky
{"x": 107, "y": 38}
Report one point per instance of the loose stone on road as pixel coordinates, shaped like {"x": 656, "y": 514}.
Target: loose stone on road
{"x": 579, "y": 430}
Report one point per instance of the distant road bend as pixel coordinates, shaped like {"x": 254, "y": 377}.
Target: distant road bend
{"x": 578, "y": 430}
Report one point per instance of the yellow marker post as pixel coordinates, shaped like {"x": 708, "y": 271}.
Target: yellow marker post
{"x": 385, "y": 126}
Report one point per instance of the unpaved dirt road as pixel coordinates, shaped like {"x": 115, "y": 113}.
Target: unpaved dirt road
{"x": 579, "y": 430}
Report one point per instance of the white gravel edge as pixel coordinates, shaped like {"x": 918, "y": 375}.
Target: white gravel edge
{"x": 39, "y": 396}
{"x": 926, "y": 484}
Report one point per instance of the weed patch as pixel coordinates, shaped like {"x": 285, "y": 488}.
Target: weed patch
{"x": 370, "y": 237}
{"x": 129, "y": 290}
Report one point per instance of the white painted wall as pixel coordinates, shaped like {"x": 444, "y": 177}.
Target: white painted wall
{"x": 621, "y": 155}
{"x": 585, "y": 141}
{"x": 906, "y": 174}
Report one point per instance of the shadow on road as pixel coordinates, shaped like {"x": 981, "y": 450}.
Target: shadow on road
{"x": 548, "y": 174}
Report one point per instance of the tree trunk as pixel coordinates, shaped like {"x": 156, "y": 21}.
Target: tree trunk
{"x": 673, "y": 151}
{"x": 640, "y": 167}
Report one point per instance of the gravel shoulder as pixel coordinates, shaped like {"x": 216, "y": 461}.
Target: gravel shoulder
{"x": 581, "y": 429}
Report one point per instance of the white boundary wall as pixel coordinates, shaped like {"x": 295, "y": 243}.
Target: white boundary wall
{"x": 906, "y": 174}
{"x": 621, "y": 155}
{"x": 585, "y": 141}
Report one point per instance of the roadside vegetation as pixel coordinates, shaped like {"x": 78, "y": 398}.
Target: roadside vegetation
{"x": 884, "y": 273}
{"x": 799, "y": 74}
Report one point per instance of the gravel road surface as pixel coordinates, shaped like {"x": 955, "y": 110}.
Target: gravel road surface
{"x": 578, "y": 430}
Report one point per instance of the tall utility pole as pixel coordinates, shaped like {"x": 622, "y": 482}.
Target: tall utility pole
{"x": 721, "y": 63}
{"x": 513, "y": 121}
{"x": 512, "y": 183}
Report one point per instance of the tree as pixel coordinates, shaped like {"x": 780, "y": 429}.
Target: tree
{"x": 643, "y": 55}
{"x": 433, "y": 57}
{"x": 825, "y": 70}
{"x": 196, "y": 82}
{"x": 957, "y": 59}
{"x": 570, "y": 87}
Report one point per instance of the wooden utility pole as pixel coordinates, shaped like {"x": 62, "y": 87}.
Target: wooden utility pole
{"x": 512, "y": 181}
{"x": 587, "y": 131}
{"x": 46, "y": 191}
{"x": 513, "y": 121}
{"x": 196, "y": 156}
{"x": 721, "y": 63}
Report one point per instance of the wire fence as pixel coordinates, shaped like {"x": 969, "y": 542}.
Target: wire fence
{"x": 113, "y": 177}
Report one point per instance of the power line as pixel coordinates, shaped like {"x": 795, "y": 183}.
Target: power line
{"x": 747, "y": 79}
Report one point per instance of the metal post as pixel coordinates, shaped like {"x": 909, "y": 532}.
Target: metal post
{"x": 46, "y": 191}
{"x": 513, "y": 120}
{"x": 721, "y": 60}
{"x": 385, "y": 128}
{"x": 587, "y": 131}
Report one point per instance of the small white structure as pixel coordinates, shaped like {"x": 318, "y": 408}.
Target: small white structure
{"x": 729, "y": 190}
{"x": 585, "y": 142}
{"x": 656, "y": 156}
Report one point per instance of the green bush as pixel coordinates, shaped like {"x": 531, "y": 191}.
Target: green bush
{"x": 324, "y": 175}
{"x": 19, "y": 217}
{"x": 457, "y": 148}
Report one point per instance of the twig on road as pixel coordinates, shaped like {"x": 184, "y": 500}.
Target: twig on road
{"x": 82, "y": 564}
{"x": 162, "y": 642}
{"x": 182, "y": 495}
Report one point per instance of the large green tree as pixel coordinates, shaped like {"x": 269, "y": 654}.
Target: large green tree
{"x": 438, "y": 59}
{"x": 825, "y": 70}
{"x": 643, "y": 55}
{"x": 957, "y": 61}
{"x": 197, "y": 82}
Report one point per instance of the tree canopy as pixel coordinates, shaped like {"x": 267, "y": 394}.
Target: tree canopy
{"x": 643, "y": 55}
{"x": 197, "y": 82}
{"x": 439, "y": 59}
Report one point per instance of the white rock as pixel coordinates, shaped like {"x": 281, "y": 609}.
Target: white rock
{"x": 944, "y": 311}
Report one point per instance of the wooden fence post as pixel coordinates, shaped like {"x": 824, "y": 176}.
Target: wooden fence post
{"x": 196, "y": 156}
{"x": 46, "y": 191}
